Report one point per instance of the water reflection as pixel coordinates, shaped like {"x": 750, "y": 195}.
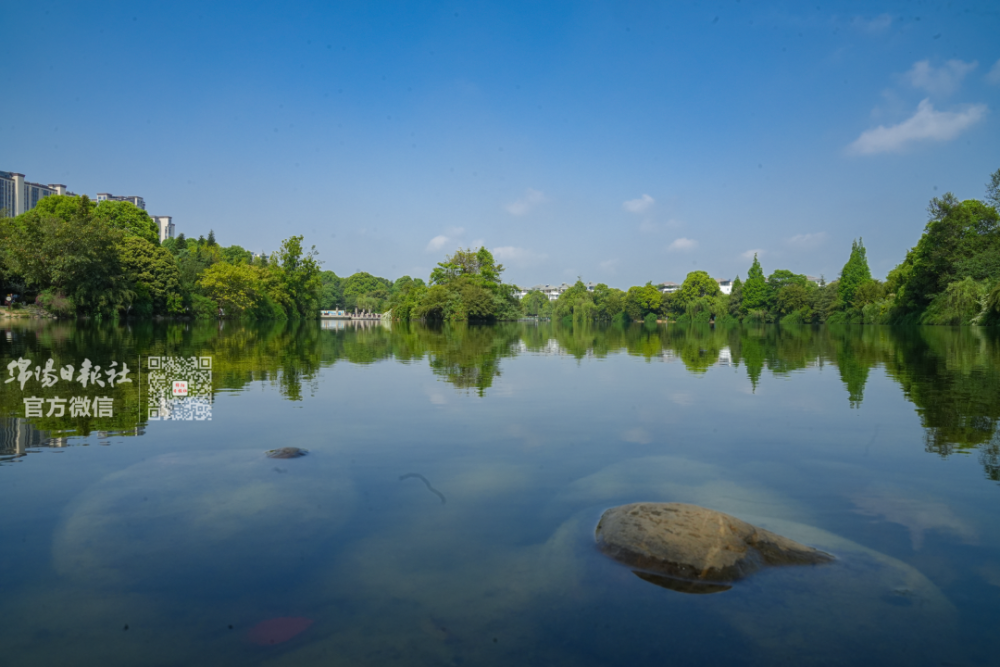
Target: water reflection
{"x": 951, "y": 375}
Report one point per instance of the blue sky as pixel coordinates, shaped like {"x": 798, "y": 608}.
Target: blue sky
{"x": 620, "y": 142}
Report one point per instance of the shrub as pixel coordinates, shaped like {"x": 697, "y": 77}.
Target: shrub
{"x": 56, "y": 303}
{"x": 203, "y": 308}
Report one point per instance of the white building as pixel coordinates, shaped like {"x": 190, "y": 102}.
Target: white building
{"x": 725, "y": 286}
{"x": 165, "y": 225}
{"x": 132, "y": 199}
{"x": 18, "y": 195}
{"x": 553, "y": 292}
{"x": 667, "y": 288}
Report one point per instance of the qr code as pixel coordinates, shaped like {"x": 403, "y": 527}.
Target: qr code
{"x": 180, "y": 388}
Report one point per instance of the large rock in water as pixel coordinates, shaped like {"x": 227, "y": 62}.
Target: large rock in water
{"x": 675, "y": 541}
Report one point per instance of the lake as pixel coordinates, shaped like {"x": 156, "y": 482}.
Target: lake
{"x": 445, "y": 511}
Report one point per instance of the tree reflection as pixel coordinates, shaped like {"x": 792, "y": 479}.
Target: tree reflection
{"x": 952, "y": 376}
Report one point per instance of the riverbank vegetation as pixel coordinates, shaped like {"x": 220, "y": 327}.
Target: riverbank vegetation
{"x": 952, "y": 276}
{"x": 75, "y": 257}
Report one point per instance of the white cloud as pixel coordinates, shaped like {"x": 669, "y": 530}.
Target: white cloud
{"x": 437, "y": 243}
{"x": 926, "y": 123}
{"x": 683, "y": 245}
{"x": 451, "y": 236}
{"x": 639, "y": 205}
{"x": 750, "y": 254}
{"x": 939, "y": 80}
{"x": 647, "y": 226}
{"x": 993, "y": 76}
{"x": 609, "y": 266}
{"x": 530, "y": 200}
{"x": 807, "y": 241}
{"x": 518, "y": 256}
{"x": 873, "y": 25}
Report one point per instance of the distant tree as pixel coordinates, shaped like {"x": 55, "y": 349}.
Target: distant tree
{"x": 993, "y": 190}
{"x": 211, "y": 237}
{"x": 152, "y": 267}
{"x": 234, "y": 254}
{"x": 736, "y": 297}
{"x": 129, "y": 218}
{"x": 79, "y": 257}
{"x": 783, "y": 277}
{"x": 533, "y": 303}
{"x": 64, "y": 207}
{"x": 609, "y": 301}
{"x": 790, "y": 298}
{"x": 697, "y": 284}
{"x": 854, "y": 273}
{"x": 576, "y": 302}
{"x": 640, "y": 301}
{"x": 301, "y": 272}
{"x": 468, "y": 263}
{"x": 755, "y": 290}
{"x": 867, "y": 292}
{"x": 332, "y": 292}
{"x": 234, "y": 287}
{"x": 181, "y": 242}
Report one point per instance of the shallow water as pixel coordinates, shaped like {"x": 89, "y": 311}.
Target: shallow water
{"x": 444, "y": 513}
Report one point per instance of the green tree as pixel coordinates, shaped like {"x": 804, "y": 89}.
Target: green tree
{"x": 153, "y": 271}
{"x": 961, "y": 239}
{"x": 79, "y": 257}
{"x": 302, "y": 275}
{"x": 533, "y": 303}
{"x": 854, "y": 273}
{"x": 129, "y": 218}
{"x": 332, "y": 291}
{"x": 755, "y": 290}
{"x": 236, "y": 288}
{"x": 364, "y": 284}
{"x": 696, "y": 285}
{"x": 736, "y": 298}
{"x": 576, "y": 302}
{"x": 640, "y": 301}
{"x": 609, "y": 301}
{"x": 235, "y": 254}
{"x": 993, "y": 190}
{"x": 790, "y": 298}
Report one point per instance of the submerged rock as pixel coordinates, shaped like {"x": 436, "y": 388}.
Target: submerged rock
{"x": 695, "y": 544}
{"x": 286, "y": 453}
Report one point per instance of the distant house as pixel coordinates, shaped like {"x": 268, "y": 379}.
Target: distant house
{"x": 725, "y": 286}
{"x": 814, "y": 279}
{"x": 553, "y": 292}
{"x": 667, "y": 288}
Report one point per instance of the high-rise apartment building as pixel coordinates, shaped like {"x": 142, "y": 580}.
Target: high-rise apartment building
{"x": 166, "y": 226}
{"x": 18, "y": 195}
{"x": 132, "y": 199}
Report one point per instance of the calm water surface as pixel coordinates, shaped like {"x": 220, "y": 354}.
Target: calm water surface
{"x": 445, "y": 511}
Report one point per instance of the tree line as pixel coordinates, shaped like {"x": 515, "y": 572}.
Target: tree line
{"x": 952, "y": 276}
{"x": 75, "y": 257}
